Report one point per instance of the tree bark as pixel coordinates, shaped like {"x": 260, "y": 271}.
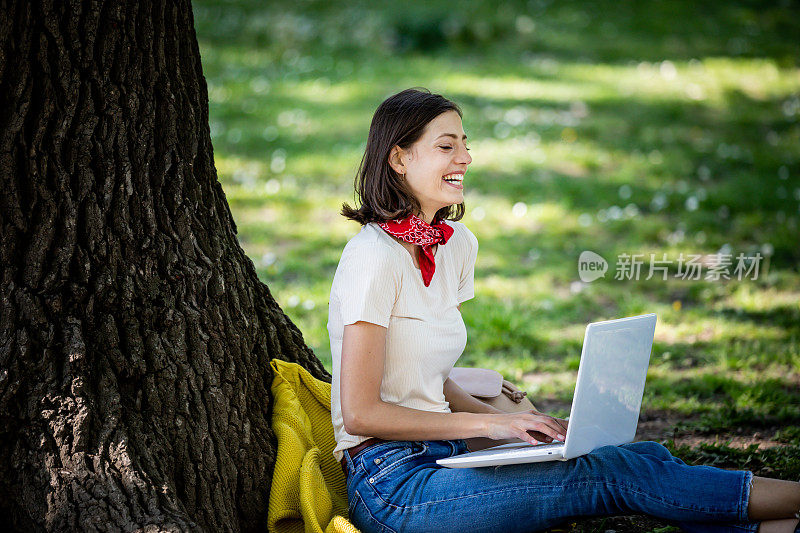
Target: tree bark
{"x": 135, "y": 336}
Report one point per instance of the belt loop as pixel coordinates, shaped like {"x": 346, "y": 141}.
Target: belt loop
{"x": 346, "y": 463}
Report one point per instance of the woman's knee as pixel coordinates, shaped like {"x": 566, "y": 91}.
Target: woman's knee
{"x": 631, "y": 460}
{"x": 651, "y": 448}
{"x": 607, "y": 460}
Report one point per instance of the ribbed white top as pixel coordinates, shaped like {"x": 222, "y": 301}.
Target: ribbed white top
{"x": 376, "y": 281}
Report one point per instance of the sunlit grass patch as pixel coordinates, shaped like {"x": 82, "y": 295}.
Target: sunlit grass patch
{"x": 675, "y": 133}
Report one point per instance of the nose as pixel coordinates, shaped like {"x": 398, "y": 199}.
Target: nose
{"x": 463, "y": 156}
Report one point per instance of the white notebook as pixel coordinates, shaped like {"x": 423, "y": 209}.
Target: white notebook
{"x": 606, "y": 402}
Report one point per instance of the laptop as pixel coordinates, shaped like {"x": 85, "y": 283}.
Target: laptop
{"x": 606, "y": 402}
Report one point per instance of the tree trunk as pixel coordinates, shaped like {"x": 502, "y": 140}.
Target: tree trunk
{"x": 135, "y": 336}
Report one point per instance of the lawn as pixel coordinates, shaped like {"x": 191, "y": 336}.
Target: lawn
{"x": 663, "y": 128}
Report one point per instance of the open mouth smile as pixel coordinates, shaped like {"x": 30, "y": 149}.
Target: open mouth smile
{"x": 454, "y": 180}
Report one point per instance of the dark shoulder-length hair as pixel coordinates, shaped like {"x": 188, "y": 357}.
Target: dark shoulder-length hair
{"x": 383, "y": 193}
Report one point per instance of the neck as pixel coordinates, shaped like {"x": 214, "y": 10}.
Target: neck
{"x": 427, "y": 218}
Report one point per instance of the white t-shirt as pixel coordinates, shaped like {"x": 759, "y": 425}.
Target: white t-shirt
{"x": 376, "y": 281}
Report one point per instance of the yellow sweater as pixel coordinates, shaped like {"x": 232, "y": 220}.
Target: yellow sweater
{"x": 309, "y": 490}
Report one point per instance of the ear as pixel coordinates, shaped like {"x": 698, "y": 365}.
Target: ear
{"x": 396, "y": 160}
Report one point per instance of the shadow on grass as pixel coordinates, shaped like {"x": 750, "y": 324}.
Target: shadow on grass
{"x": 782, "y": 316}
{"x": 600, "y": 30}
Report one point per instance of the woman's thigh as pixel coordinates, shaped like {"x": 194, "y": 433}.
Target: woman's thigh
{"x": 400, "y": 487}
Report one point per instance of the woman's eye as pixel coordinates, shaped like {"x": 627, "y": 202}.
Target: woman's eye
{"x": 446, "y": 147}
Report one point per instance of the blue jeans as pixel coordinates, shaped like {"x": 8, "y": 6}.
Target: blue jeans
{"x": 397, "y": 486}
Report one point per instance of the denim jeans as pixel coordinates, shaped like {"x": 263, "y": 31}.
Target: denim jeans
{"x": 397, "y": 486}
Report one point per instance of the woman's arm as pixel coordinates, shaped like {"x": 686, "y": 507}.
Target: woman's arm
{"x": 394, "y": 422}
{"x": 364, "y": 413}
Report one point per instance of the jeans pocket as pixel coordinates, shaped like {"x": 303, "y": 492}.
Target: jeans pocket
{"x": 376, "y": 458}
{"x": 383, "y": 464}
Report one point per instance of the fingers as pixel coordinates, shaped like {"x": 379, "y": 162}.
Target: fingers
{"x": 549, "y": 426}
{"x": 541, "y": 437}
{"x": 535, "y": 436}
{"x": 535, "y": 427}
{"x": 563, "y": 423}
{"x": 526, "y": 437}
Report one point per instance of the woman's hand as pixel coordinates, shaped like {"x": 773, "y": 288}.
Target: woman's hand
{"x": 529, "y": 426}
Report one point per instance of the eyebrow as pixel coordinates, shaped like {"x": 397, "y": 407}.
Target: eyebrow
{"x": 453, "y": 135}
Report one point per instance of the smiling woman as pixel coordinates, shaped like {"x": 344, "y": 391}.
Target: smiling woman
{"x": 435, "y": 165}
{"x": 403, "y": 174}
{"x": 396, "y": 332}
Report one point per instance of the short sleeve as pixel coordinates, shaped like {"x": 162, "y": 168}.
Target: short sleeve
{"x": 465, "y": 285}
{"x": 368, "y": 286}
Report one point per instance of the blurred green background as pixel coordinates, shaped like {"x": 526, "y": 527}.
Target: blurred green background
{"x": 635, "y": 127}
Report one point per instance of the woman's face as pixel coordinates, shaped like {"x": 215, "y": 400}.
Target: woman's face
{"x": 440, "y": 152}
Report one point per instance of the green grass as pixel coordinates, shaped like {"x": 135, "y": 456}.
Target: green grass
{"x": 653, "y": 127}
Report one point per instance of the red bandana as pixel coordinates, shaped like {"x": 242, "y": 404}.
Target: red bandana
{"x": 414, "y": 230}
